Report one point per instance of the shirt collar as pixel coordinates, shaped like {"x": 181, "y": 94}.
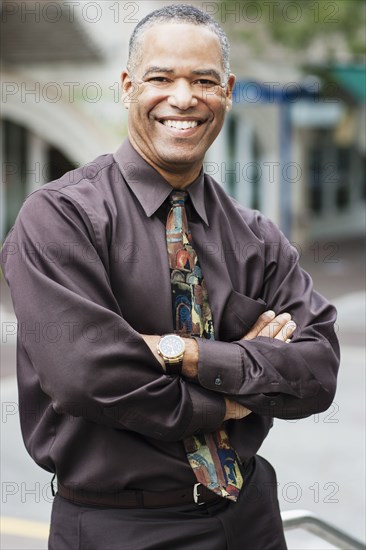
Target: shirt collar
{"x": 149, "y": 187}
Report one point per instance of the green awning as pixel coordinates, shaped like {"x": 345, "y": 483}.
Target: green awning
{"x": 352, "y": 78}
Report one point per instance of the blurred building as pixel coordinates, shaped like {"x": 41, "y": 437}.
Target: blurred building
{"x": 297, "y": 152}
{"x": 60, "y": 92}
{"x": 335, "y": 153}
{"x": 293, "y": 146}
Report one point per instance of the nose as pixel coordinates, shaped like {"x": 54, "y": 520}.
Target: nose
{"x": 181, "y": 96}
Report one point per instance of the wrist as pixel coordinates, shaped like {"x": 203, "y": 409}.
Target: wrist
{"x": 190, "y": 358}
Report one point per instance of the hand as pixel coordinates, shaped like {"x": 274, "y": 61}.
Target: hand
{"x": 235, "y": 411}
{"x": 280, "y": 327}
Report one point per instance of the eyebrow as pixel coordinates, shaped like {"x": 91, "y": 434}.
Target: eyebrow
{"x": 208, "y": 72}
{"x": 157, "y": 69}
{"x": 198, "y": 72}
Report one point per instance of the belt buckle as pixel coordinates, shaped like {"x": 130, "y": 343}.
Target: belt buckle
{"x": 196, "y": 494}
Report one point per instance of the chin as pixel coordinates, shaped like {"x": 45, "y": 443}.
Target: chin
{"x": 181, "y": 156}
{"x": 172, "y": 161}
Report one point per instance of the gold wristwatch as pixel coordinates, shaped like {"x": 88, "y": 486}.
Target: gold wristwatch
{"x": 171, "y": 348}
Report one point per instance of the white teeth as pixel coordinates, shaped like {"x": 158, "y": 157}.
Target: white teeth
{"x": 180, "y": 124}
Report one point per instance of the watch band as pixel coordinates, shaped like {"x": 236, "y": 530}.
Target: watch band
{"x": 174, "y": 368}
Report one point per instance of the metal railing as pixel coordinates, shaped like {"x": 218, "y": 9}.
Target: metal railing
{"x": 308, "y": 521}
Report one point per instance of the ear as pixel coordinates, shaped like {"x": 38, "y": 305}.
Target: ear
{"x": 127, "y": 88}
{"x": 229, "y": 91}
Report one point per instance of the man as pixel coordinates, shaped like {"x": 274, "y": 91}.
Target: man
{"x": 161, "y": 356}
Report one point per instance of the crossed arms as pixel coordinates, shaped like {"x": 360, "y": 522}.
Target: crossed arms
{"x": 117, "y": 380}
{"x": 268, "y": 325}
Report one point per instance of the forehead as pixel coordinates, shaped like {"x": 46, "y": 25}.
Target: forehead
{"x": 178, "y": 45}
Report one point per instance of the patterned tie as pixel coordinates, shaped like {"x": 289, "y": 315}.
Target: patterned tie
{"x": 213, "y": 460}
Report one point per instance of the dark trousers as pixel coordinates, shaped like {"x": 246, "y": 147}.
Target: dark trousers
{"x": 252, "y": 523}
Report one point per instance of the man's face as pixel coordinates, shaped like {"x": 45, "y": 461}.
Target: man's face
{"x": 176, "y": 97}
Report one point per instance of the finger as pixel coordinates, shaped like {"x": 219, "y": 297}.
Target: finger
{"x": 286, "y": 332}
{"x": 246, "y": 412}
{"x": 259, "y": 325}
{"x": 275, "y": 326}
{"x": 235, "y": 411}
{"x": 240, "y": 412}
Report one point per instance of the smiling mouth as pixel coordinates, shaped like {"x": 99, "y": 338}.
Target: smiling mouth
{"x": 181, "y": 124}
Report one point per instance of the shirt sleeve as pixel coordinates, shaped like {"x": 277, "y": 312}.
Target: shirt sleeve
{"x": 271, "y": 377}
{"x": 89, "y": 361}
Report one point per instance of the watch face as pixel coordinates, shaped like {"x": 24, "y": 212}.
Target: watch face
{"x": 171, "y": 346}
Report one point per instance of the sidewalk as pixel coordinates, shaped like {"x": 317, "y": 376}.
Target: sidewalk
{"x": 338, "y": 270}
{"x": 320, "y": 461}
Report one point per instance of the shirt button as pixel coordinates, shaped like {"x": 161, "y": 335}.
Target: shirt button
{"x": 272, "y": 403}
{"x": 218, "y": 381}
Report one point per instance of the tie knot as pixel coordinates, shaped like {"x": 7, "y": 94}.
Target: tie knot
{"x": 178, "y": 198}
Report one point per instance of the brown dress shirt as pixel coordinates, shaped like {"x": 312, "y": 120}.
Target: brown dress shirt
{"x": 87, "y": 266}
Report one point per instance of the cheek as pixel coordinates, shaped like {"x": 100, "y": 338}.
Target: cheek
{"x": 214, "y": 96}
{"x": 148, "y": 101}
{"x": 219, "y": 103}
{"x": 140, "y": 113}
{"x": 216, "y": 104}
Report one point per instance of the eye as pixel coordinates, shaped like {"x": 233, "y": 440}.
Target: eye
{"x": 206, "y": 83}
{"x": 158, "y": 80}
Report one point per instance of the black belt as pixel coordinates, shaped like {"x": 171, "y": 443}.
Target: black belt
{"x": 198, "y": 494}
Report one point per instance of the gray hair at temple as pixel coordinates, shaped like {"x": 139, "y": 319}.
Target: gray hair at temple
{"x": 177, "y": 13}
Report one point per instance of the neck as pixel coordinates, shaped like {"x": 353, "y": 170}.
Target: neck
{"x": 179, "y": 178}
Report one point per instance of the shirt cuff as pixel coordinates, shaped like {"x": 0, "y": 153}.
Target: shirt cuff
{"x": 220, "y": 366}
{"x": 209, "y": 411}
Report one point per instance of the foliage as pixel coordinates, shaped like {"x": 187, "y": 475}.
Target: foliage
{"x": 295, "y": 24}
